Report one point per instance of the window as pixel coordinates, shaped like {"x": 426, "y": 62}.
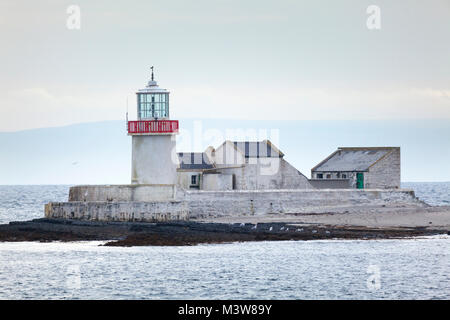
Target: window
{"x": 344, "y": 176}
{"x": 328, "y": 176}
{"x": 319, "y": 176}
{"x": 153, "y": 105}
{"x": 193, "y": 180}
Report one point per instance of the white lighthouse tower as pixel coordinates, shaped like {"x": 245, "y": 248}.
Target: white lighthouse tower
{"x": 154, "y": 159}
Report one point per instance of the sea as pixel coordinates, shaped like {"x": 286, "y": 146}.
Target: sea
{"x": 415, "y": 268}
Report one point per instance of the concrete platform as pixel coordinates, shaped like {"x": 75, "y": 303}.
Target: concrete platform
{"x": 125, "y": 203}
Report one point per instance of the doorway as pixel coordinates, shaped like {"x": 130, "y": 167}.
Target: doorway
{"x": 360, "y": 180}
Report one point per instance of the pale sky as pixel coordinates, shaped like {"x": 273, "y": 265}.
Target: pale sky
{"x": 236, "y": 59}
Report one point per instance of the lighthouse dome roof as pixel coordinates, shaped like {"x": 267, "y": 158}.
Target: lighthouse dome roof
{"x": 152, "y": 87}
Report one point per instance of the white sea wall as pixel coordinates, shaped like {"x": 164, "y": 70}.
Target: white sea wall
{"x": 201, "y": 204}
{"x": 126, "y": 192}
{"x": 118, "y": 211}
{"x": 251, "y": 202}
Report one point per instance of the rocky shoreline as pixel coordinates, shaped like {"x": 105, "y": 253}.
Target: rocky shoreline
{"x": 184, "y": 233}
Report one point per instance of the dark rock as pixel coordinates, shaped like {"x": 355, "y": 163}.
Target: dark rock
{"x": 184, "y": 232}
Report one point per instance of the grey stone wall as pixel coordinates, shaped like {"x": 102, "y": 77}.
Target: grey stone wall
{"x": 127, "y": 192}
{"x": 330, "y": 183}
{"x": 267, "y": 173}
{"x": 246, "y": 202}
{"x": 217, "y": 181}
{"x": 201, "y": 204}
{"x": 385, "y": 173}
{"x": 118, "y": 211}
{"x": 184, "y": 178}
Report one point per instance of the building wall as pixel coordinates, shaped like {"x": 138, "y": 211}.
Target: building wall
{"x": 332, "y": 175}
{"x": 257, "y": 173}
{"x": 330, "y": 183}
{"x": 184, "y": 178}
{"x": 386, "y": 173}
{"x": 267, "y": 173}
{"x": 154, "y": 159}
{"x": 352, "y": 179}
{"x": 217, "y": 181}
{"x": 291, "y": 178}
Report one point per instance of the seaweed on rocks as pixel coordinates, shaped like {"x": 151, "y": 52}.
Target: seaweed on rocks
{"x": 184, "y": 233}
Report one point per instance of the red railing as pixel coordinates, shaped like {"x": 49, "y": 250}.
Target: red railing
{"x": 153, "y": 126}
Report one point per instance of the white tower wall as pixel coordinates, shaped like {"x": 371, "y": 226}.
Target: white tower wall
{"x": 154, "y": 159}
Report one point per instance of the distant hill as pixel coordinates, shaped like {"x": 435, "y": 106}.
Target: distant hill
{"x": 83, "y": 153}
{"x": 100, "y": 153}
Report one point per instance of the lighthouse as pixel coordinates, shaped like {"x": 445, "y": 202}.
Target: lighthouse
{"x": 154, "y": 159}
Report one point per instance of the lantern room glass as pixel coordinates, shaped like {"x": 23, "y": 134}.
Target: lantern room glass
{"x": 153, "y": 105}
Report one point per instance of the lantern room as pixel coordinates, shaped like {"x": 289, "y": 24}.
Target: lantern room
{"x": 152, "y": 111}
{"x": 152, "y": 102}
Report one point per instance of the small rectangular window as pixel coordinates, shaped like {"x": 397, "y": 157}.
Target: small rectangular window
{"x": 328, "y": 176}
{"x": 344, "y": 176}
{"x": 319, "y": 176}
{"x": 193, "y": 180}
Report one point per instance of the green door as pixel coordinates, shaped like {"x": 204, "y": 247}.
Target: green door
{"x": 360, "y": 180}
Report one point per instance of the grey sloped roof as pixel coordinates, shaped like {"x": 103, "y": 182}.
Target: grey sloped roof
{"x": 194, "y": 160}
{"x": 258, "y": 149}
{"x": 352, "y": 159}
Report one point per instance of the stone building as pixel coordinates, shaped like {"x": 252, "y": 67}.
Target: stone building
{"x": 365, "y": 167}
{"x": 234, "y": 165}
